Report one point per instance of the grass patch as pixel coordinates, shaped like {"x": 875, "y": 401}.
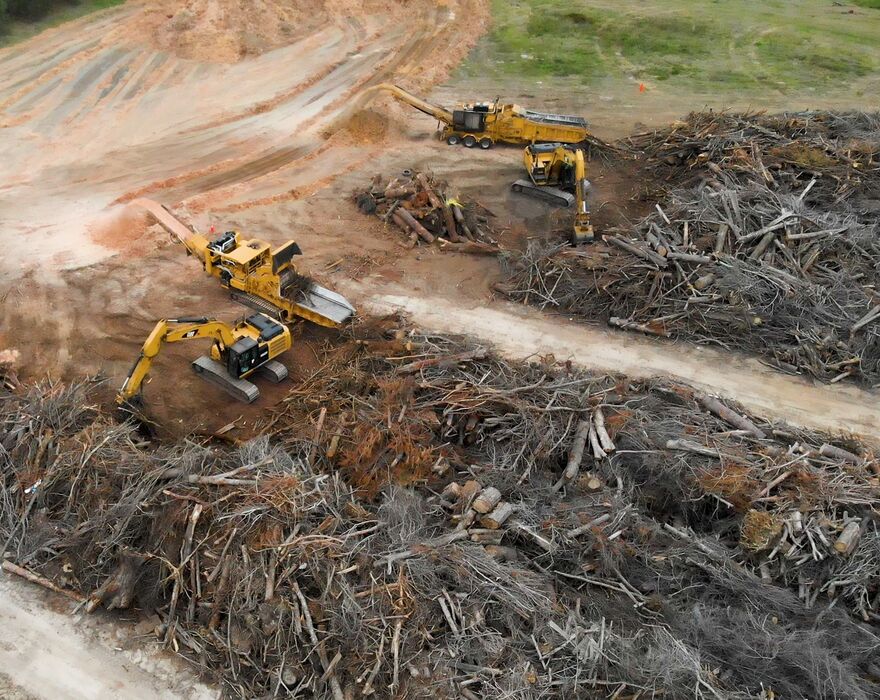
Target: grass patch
{"x": 15, "y": 31}
{"x": 705, "y": 45}
{"x": 871, "y": 4}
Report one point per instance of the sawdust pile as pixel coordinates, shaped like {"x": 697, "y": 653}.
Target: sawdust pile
{"x": 225, "y": 31}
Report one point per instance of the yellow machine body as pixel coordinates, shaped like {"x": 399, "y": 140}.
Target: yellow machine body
{"x": 241, "y": 349}
{"x": 556, "y": 169}
{"x": 266, "y": 279}
{"x": 484, "y": 123}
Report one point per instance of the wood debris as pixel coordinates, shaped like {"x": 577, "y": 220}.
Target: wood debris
{"x": 767, "y": 241}
{"x": 419, "y": 206}
{"x": 429, "y": 552}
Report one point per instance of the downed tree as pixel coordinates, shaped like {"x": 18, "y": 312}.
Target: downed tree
{"x": 398, "y": 534}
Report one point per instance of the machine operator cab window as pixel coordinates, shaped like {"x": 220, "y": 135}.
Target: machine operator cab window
{"x": 472, "y": 118}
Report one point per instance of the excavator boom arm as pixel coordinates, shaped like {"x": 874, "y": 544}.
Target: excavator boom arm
{"x": 171, "y": 331}
{"x": 439, "y": 113}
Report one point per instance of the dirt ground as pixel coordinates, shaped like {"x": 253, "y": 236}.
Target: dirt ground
{"x": 53, "y": 654}
{"x": 263, "y": 135}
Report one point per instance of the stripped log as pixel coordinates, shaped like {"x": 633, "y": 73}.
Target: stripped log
{"x": 598, "y": 452}
{"x": 576, "y": 455}
{"x": 729, "y": 416}
{"x": 601, "y": 432}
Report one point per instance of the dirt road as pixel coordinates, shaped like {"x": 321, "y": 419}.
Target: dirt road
{"x": 522, "y": 332}
{"x": 49, "y": 654}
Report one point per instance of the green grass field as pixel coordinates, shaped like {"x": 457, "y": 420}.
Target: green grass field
{"x": 19, "y": 30}
{"x": 705, "y": 46}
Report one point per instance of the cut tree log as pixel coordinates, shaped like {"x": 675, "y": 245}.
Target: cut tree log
{"x": 729, "y": 416}
{"x": 642, "y": 253}
{"x": 489, "y": 498}
{"x": 575, "y": 455}
{"x": 497, "y": 516}
{"x": 688, "y": 446}
{"x": 485, "y": 535}
{"x": 467, "y": 494}
{"x": 423, "y": 233}
{"x": 833, "y": 452}
{"x": 848, "y": 539}
{"x": 447, "y": 361}
{"x": 470, "y": 247}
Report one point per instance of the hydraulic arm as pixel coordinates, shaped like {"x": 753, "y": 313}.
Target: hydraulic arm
{"x": 558, "y": 174}
{"x": 236, "y": 352}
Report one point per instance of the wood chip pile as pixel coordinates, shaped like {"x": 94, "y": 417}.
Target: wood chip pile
{"x": 775, "y": 250}
{"x": 417, "y": 204}
{"x": 421, "y": 519}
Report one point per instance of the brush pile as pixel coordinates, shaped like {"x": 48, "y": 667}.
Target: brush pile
{"x": 417, "y": 204}
{"x": 423, "y": 519}
{"x": 775, "y": 249}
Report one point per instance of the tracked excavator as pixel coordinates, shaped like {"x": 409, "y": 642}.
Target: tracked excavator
{"x": 485, "y": 123}
{"x": 558, "y": 174}
{"x": 256, "y": 274}
{"x": 247, "y": 348}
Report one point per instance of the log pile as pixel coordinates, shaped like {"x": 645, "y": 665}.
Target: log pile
{"x": 775, "y": 250}
{"x": 417, "y": 204}
{"x": 421, "y": 518}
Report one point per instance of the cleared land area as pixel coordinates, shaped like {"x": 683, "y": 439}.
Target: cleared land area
{"x": 478, "y": 498}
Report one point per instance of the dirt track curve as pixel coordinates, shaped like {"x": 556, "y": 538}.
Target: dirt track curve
{"x": 522, "y": 332}
{"x": 89, "y": 115}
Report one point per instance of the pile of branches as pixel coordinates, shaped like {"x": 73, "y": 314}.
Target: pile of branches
{"x": 418, "y": 205}
{"x": 423, "y": 519}
{"x": 775, "y": 250}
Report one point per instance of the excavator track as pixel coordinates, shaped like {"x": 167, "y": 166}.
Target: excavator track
{"x": 258, "y": 304}
{"x": 240, "y": 389}
{"x": 548, "y": 194}
{"x": 319, "y": 305}
{"x": 274, "y": 371}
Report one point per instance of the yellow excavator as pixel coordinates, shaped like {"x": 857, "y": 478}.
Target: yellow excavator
{"x": 558, "y": 174}
{"x": 484, "y": 123}
{"x": 237, "y": 352}
{"x": 257, "y": 275}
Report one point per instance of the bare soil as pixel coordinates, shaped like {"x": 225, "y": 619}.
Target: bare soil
{"x": 219, "y": 112}
{"x": 47, "y": 653}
